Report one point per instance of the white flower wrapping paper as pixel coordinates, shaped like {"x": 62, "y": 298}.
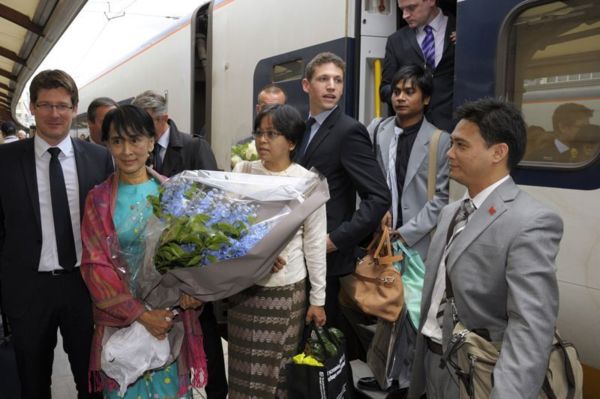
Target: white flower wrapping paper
{"x": 285, "y": 202}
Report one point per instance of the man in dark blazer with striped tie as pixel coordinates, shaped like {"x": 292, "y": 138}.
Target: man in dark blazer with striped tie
{"x": 43, "y": 184}
{"x": 428, "y": 40}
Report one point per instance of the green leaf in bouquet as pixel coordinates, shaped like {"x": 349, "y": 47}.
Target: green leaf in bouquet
{"x": 231, "y": 230}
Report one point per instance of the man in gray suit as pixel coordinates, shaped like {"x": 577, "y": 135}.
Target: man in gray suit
{"x": 402, "y": 149}
{"x": 499, "y": 261}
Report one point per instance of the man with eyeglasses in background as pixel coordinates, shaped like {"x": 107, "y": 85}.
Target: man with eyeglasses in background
{"x": 43, "y": 185}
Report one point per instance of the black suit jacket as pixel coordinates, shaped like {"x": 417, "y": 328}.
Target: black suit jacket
{"x": 186, "y": 152}
{"x": 20, "y": 223}
{"x": 341, "y": 151}
{"x": 402, "y": 48}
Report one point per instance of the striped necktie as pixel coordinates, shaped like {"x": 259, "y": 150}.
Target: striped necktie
{"x": 456, "y": 227}
{"x": 428, "y": 47}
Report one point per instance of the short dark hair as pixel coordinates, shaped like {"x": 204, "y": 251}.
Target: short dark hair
{"x": 417, "y": 75}
{"x": 8, "y": 128}
{"x": 98, "y": 103}
{"x": 286, "y": 120}
{"x": 128, "y": 120}
{"x": 322, "y": 59}
{"x": 499, "y": 122}
{"x": 53, "y": 79}
{"x": 568, "y": 113}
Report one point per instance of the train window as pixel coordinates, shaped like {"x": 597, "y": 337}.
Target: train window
{"x": 291, "y": 70}
{"x": 383, "y": 7}
{"x": 553, "y": 74}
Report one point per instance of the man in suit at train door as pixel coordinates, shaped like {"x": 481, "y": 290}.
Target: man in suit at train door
{"x": 497, "y": 248}
{"x": 175, "y": 152}
{"x": 339, "y": 147}
{"x": 428, "y": 40}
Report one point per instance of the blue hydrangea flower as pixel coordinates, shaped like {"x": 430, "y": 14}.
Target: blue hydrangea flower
{"x": 204, "y": 225}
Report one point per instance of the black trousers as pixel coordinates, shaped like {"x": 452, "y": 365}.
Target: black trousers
{"x": 216, "y": 388}
{"x": 60, "y": 302}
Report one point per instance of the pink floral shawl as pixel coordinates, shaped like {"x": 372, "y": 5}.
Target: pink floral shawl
{"x": 114, "y": 305}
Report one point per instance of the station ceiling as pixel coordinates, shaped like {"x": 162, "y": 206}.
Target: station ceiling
{"x": 28, "y": 31}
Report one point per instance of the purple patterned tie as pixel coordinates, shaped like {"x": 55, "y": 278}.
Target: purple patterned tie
{"x": 428, "y": 47}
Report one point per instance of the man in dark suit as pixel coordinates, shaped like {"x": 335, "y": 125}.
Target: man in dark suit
{"x": 339, "y": 148}
{"x": 96, "y": 112}
{"x": 428, "y": 40}
{"x": 496, "y": 248}
{"x": 574, "y": 139}
{"x": 175, "y": 152}
{"x": 44, "y": 182}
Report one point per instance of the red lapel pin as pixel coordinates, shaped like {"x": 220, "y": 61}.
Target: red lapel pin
{"x": 492, "y": 210}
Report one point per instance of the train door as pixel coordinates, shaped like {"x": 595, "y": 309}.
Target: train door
{"x": 200, "y": 70}
{"x": 547, "y": 61}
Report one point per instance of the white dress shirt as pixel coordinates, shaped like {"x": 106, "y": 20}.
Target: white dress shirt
{"x": 307, "y": 245}
{"x": 438, "y": 26}
{"x": 10, "y": 139}
{"x": 319, "y": 119}
{"x": 49, "y": 255}
{"x": 431, "y": 328}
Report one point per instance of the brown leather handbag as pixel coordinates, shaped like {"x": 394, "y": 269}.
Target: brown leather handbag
{"x": 375, "y": 287}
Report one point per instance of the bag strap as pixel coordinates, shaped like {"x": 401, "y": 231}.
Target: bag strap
{"x": 432, "y": 171}
{"x": 390, "y": 257}
{"x": 561, "y": 346}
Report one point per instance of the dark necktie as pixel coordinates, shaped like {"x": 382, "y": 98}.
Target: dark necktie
{"x": 428, "y": 47}
{"x": 456, "y": 227}
{"x": 65, "y": 244}
{"x": 157, "y": 158}
{"x": 306, "y": 138}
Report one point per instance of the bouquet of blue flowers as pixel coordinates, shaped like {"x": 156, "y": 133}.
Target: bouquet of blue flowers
{"x": 204, "y": 225}
{"x": 214, "y": 234}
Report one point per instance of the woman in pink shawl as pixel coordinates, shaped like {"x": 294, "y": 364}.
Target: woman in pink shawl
{"x": 114, "y": 221}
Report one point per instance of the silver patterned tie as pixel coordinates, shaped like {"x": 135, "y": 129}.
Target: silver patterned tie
{"x": 456, "y": 227}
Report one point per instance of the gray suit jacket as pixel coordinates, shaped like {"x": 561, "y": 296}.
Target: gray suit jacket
{"x": 419, "y": 215}
{"x": 504, "y": 280}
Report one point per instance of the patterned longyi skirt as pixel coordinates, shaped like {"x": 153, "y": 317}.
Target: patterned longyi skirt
{"x": 265, "y": 326}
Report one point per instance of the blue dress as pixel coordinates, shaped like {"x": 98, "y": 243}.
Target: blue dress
{"x": 130, "y": 216}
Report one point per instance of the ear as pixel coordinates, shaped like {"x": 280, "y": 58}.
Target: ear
{"x": 500, "y": 153}
{"x": 426, "y": 100}
{"x": 305, "y": 85}
{"x": 31, "y": 108}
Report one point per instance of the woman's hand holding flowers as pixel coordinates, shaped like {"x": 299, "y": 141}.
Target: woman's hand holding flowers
{"x": 158, "y": 322}
{"x": 189, "y": 302}
{"x": 278, "y": 265}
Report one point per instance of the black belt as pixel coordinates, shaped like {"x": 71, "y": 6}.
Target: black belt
{"x": 58, "y": 272}
{"x": 434, "y": 346}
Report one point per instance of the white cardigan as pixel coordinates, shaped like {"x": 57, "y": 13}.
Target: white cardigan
{"x": 307, "y": 250}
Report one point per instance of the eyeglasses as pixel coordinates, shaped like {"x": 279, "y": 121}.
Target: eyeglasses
{"x": 47, "y": 107}
{"x": 270, "y": 134}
